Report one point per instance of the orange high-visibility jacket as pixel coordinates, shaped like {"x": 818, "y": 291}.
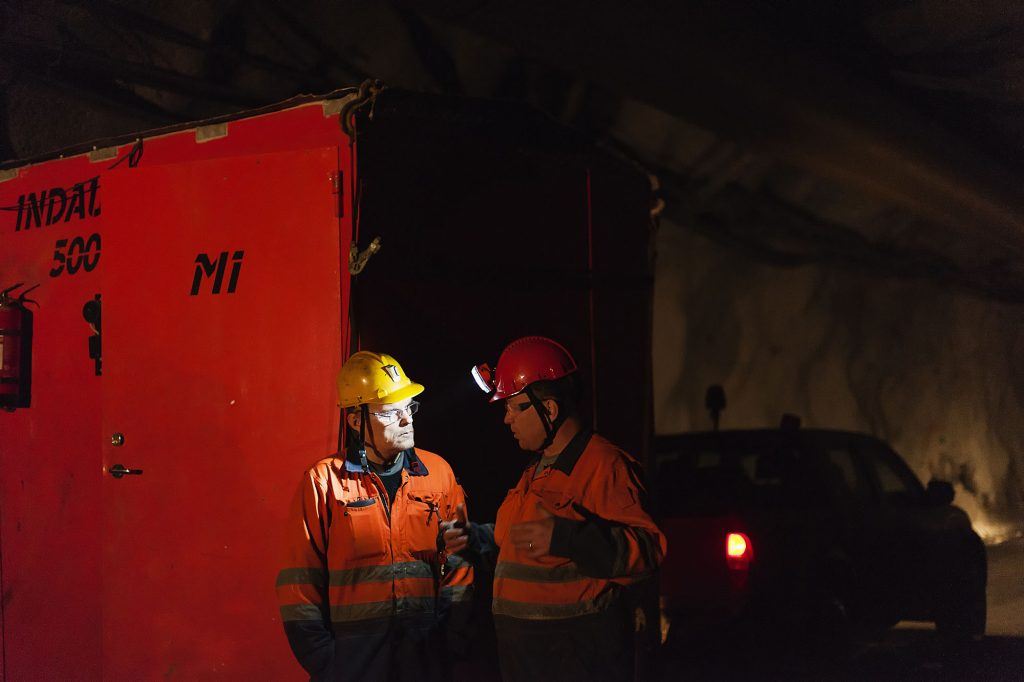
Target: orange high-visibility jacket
{"x": 603, "y": 539}
{"x": 351, "y": 566}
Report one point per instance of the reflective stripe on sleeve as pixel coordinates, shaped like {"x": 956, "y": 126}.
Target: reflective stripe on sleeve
{"x": 300, "y": 576}
{"x": 456, "y": 561}
{"x": 456, "y": 593}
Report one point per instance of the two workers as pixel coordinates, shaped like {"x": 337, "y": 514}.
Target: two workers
{"x": 382, "y": 555}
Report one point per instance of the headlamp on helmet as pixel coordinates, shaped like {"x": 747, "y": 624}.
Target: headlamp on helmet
{"x": 483, "y": 377}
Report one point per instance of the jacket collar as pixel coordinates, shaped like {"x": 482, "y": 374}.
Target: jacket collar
{"x": 412, "y": 464}
{"x": 571, "y": 454}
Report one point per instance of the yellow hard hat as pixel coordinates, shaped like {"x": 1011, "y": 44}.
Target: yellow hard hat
{"x": 369, "y": 377}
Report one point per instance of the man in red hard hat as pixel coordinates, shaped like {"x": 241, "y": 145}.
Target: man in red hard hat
{"x": 570, "y": 538}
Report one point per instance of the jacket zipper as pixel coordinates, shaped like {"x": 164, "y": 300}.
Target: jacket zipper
{"x": 383, "y": 494}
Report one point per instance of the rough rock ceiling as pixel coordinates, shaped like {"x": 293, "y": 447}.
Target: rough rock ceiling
{"x": 878, "y": 135}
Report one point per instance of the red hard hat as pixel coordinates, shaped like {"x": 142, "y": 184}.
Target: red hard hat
{"x": 524, "y": 361}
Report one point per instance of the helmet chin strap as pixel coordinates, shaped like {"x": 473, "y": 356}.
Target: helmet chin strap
{"x": 364, "y": 417}
{"x": 550, "y": 427}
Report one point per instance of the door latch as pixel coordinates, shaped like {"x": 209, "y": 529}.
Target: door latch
{"x": 119, "y": 470}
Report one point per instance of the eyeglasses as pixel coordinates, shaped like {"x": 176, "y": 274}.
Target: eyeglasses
{"x": 514, "y": 409}
{"x": 391, "y": 416}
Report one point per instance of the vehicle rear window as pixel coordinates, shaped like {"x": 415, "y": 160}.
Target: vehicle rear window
{"x": 846, "y": 475}
{"x": 713, "y": 481}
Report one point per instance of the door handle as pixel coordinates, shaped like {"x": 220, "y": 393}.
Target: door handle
{"x": 119, "y": 470}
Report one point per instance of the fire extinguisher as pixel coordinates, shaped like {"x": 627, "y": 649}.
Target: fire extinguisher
{"x": 15, "y": 348}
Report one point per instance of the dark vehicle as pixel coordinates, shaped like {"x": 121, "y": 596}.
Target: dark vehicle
{"x": 813, "y": 531}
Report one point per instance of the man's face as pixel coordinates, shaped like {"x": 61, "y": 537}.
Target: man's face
{"x": 522, "y": 418}
{"x": 390, "y": 428}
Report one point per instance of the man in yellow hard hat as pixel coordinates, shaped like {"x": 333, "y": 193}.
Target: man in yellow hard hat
{"x": 366, "y": 589}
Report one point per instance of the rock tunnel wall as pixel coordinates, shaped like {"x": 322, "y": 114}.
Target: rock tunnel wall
{"x": 937, "y": 373}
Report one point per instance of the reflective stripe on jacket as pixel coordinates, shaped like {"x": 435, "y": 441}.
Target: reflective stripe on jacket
{"x": 354, "y": 561}
{"x": 604, "y": 538}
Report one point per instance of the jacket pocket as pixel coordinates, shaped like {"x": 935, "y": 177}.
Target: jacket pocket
{"x": 365, "y": 527}
{"x": 509, "y": 512}
{"x": 555, "y": 501}
{"x": 423, "y": 519}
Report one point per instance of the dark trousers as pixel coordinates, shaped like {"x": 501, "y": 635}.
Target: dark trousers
{"x": 401, "y": 649}
{"x": 593, "y": 647}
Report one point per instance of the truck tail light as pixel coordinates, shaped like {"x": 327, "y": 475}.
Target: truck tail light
{"x": 739, "y": 551}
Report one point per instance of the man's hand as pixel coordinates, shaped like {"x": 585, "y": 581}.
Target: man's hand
{"x": 456, "y": 531}
{"x": 533, "y": 538}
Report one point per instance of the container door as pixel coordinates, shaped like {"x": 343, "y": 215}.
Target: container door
{"x": 222, "y": 338}
{"x": 49, "y": 451}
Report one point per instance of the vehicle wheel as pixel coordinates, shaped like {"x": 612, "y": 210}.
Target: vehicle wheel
{"x": 830, "y": 623}
{"x": 831, "y": 635}
{"x": 962, "y": 613}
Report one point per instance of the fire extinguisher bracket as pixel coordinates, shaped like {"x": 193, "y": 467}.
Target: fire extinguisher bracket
{"x": 15, "y": 348}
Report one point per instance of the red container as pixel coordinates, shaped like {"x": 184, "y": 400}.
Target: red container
{"x": 219, "y": 253}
